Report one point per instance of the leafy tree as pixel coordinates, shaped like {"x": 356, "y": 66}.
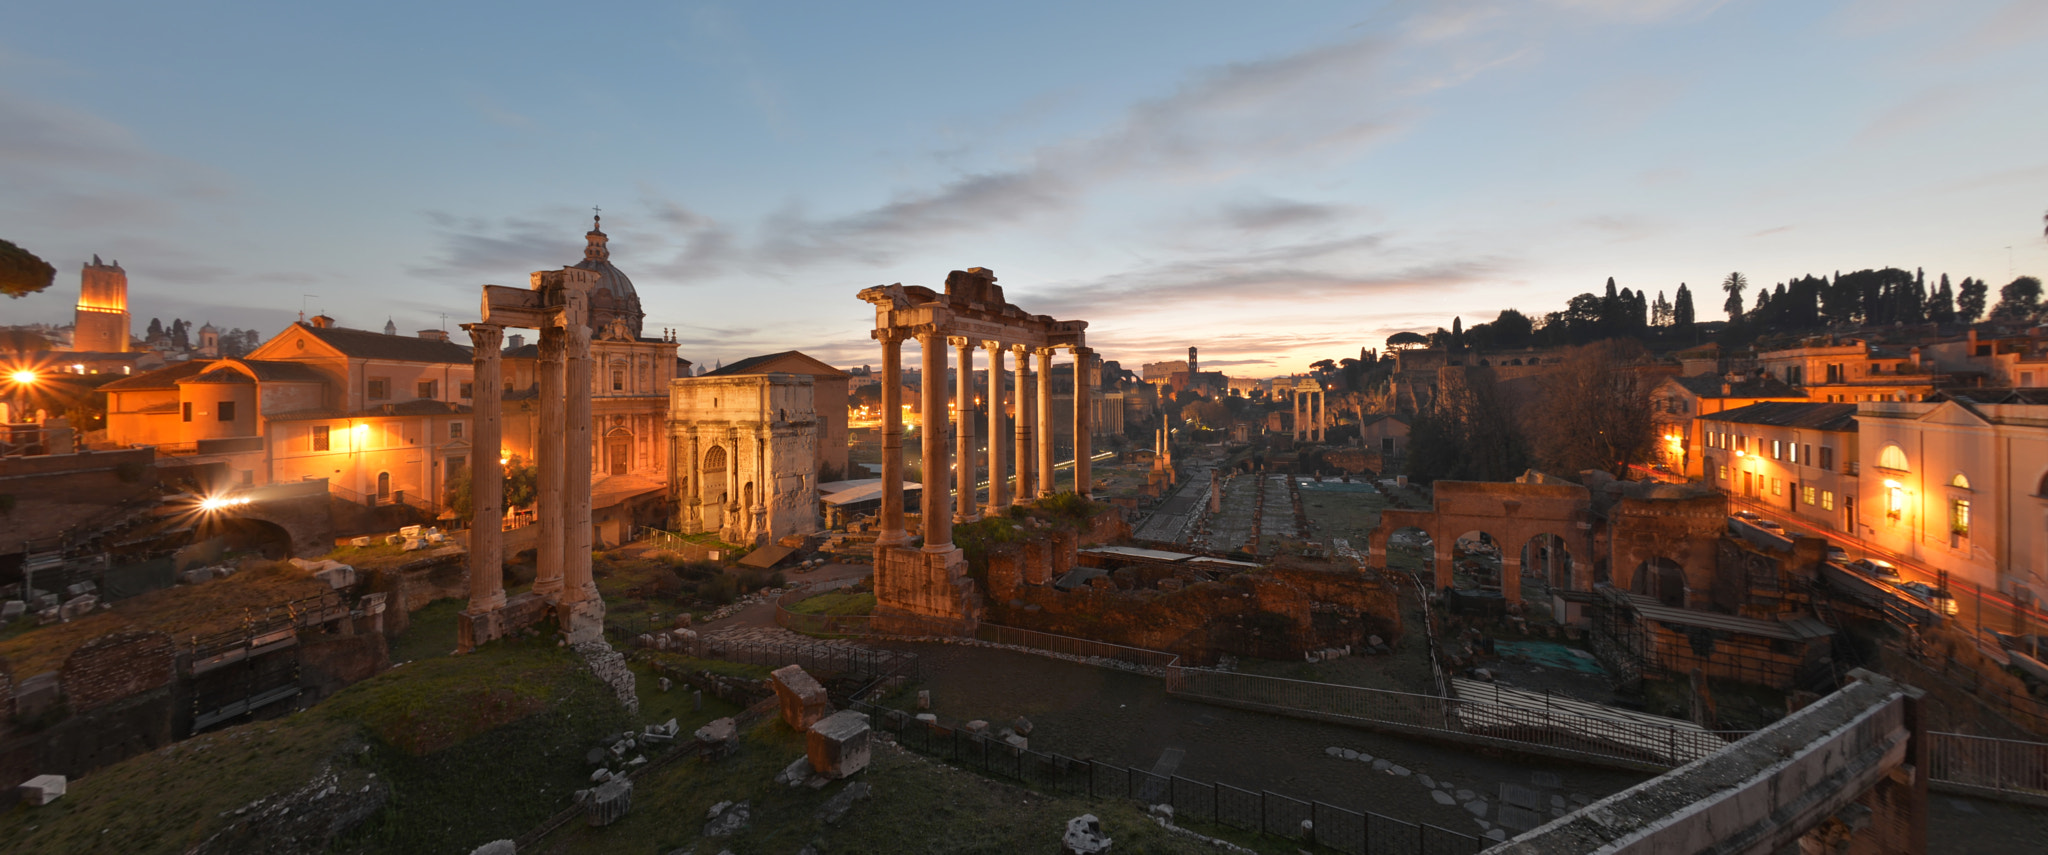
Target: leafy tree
{"x": 156, "y": 329}
{"x": 1595, "y": 413}
{"x": 1469, "y": 433}
{"x": 2018, "y": 301}
{"x": 1512, "y": 329}
{"x": 1970, "y": 300}
{"x": 181, "y": 334}
{"x": 21, "y": 342}
{"x": 22, "y": 273}
{"x": 1681, "y": 308}
{"x": 1660, "y": 311}
{"x": 1735, "y": 284}
{"x": 1405, "y": 340}
{"x": 522, "y": 485}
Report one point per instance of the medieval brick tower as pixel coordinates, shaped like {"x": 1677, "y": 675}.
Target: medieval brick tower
{"x": 1194, "y": 364}
{"x": 102, "y": 325}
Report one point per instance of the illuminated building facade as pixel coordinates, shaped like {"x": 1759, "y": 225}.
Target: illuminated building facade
{"x": 102, "y": 315}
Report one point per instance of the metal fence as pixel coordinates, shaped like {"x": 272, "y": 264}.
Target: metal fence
{"x": 1089, "y": 652}
{"x": 813, "y": 656}
{"x": 1985, "y": 763}
{"x": 1256, "y": 811}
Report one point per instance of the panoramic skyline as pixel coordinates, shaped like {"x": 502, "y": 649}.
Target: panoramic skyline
{"x": 1276, "y": 185}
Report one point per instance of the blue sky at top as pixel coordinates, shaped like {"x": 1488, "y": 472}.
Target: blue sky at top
{"x": 1276, "y": 182}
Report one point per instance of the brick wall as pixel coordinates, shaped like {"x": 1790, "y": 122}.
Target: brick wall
{"x": 118, "y": 665}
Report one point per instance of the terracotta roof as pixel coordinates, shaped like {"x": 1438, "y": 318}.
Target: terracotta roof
{"x": 283, "y": 372}
{"x": 220, "y": 374}
{"x": 1994, "y": 396}
{"x": 162, "y": 378}
{"x": 1799, "y": 414}
{"x": 752, "y": 365}
{"x": 1709, "y": 386}
{"x": 363, "y": 344}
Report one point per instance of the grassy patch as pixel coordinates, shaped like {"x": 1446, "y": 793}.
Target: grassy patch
{"x": 679, "y": 662}
{"x": 431, "y": 633}
{"x": 837, "y": 603}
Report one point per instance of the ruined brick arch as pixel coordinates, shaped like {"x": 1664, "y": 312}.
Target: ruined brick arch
{"x": 1510, "y": 513}
{"x": 1685, "y": 531}
{"x": 300, "y": 510}
{"x": 1559, "y": 566}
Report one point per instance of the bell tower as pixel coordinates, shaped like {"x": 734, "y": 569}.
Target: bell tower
{"x": 102, "y": 318}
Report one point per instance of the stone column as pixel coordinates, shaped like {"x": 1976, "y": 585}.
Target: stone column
{"x": 998, "y": 471}
{"x": 1084, "y": 394}
{"x": 758, "y": 513}
{"x": 694, "y": 503}
{"x": 963, "y": 432}
{"x": 548, "y": 447}
{"x": 1322, "y": 413}
{"x": 487, "y": 475}
{"x": 1020, "y": 409}
{"x": 1047, "y": 461}
{"x": 892, "y": 533}
{"x": 577, "y": 584}
{"x": 1511, "y": 575}
{"x": 938, "y": 511}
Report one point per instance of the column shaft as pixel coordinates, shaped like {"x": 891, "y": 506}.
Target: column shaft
{"x": 487, "y": 475}
{"x": 1084, "y": 400}
{"x": 892, "y": 533}
{"x": 1047, "y": 463}
{"x": 998, "y": 472}
{"x": 577, "y": 584}
{"x": 963, "y": 433}
{"x": 1021, "y": 408}
{"x": 938, "y": 511}
{"x": 548, "y": 447}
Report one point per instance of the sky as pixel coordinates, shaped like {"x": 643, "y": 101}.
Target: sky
{"x": 1276, "y": 182}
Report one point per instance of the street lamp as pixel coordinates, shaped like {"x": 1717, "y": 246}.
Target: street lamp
{"x": 23, "y": 379}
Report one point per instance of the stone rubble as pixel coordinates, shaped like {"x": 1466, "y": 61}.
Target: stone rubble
{"x": 729, "y": 821}
{"x": 836, "y": 807}
{"x": 610, "y": 667}
{"x": 609, "y": 802}
{"x": 1084, "y": 836}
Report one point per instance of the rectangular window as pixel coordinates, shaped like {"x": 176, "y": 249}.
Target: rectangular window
{"x": 321, "y": 440}
{"x": 454, "y": 430}
{"x": 1723, "y": 473}
{"x": 1806, "y": 454}
{"x": 187, "y": 410}
{"x": 1827, "y": 457}
{"x": 457, "y": 464}
{"x": 377, "y": 388}
{"x": 618, "y": 379}
{"x": 427, "y": 389}
{"x": 1959, "y": 517}
{"x": 1827, "y": 500}
{"x": 227, "y": 411}
{"x": 467, "y": 389}
{"x": 1777, "y": 486}
{"x": 1806, "y": 494}
{"x": 1777, "y": 449}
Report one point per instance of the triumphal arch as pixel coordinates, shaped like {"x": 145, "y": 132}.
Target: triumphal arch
{"x": 925, "y": 586}
{"x": 557, "y": 304}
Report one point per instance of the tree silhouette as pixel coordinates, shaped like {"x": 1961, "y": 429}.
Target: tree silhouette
{"x": 1681, "y": 308}
{"x": 22, "y": 273}
{"x": 2018, "y": 301}
{"x": 1735, "y": 284}
{"x": 1970, "y": 300}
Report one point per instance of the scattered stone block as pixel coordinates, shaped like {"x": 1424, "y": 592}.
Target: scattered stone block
{"x": 1398, "y": 771}
{"x": 718, "y": 738}
{"x": 497, "y": 847}
{"x": 1382, "y": 764}
{"x": 1018, "y": 742}
{"x": 1347, "y": 753}
{"x": 665, "y": 683}
{"x": 836, "y": 807}
{"x": 600, "y": 776}
{"x": 360, "y": 543}
{"x": 803, "y": 699}
{"x": 976, "y": 726}
{"x": 924, "y": 699}
{"x": 1022, "y": 726}
{"x": 609, "y": 801}
{"x": 838, "y": 745}
{"x": 729, "y": 821}
{"x": 42, "y": 789}
{"x": 798, "y": 771}
{"x": 1442, "y": 797}
{"x": 1084, "y": 836}
{"x": 1334, "y": 751}
{"x": 1365, "y": 758}
{"x": 927, "y": 718}
{"x": 1425, "y": 781}
{"x": 1477, "y": 807}
{"x": 12, "y": 610}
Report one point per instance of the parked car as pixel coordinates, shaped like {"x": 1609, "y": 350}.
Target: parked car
{"x": 1767, "y": 525}
{"x": 1838, "y": 555}
{"x": 1746, "y": 516}
{"x": 1876, "y": 568}
{"x": 1939, "y": 601}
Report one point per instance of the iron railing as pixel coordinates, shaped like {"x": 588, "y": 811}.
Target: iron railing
{"x": 1983, "y": 763}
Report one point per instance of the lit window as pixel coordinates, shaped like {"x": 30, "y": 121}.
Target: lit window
{"x": 1959, "y": 517}
{"x": 1777, "y": 450}
{"x": 321, "y": 440}
{"x": 454, "y": 430}
{"x": 1959, "y": 481}
{"x": 1777, "y": 486}
{"x": 1827, "y": 500}
{"x": 1892, "y": 457}
{"x": 1724, "y": 473}
{"x": 1894, "y": 500}
{"x": 1806, "y": 494}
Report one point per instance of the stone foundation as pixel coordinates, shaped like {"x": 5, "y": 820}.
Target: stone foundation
{"x": 520, "y": 612}
{"x": 927, "y": 588}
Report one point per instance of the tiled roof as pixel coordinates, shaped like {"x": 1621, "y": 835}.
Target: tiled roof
{"x": 162, "y": 378}
{"x": 1799, "y": 414}
{"x": 283, "y": 372}
{"x": 752, "y": 365}
{"x": 1709, "y": 386}
{"x": 363, "y": 344}
{"x": 1995, "y": 396}
{"x": 220, "y": 374}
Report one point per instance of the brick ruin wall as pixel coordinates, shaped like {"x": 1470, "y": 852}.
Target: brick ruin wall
{"x": 117, "y": 666}
{"x": 1280, "y": 611}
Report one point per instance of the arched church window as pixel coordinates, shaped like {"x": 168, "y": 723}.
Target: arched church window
{"x": 1959, "y": 481}
{"x": 1892, "y": 457}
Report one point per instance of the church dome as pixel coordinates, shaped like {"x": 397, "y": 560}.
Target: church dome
{"x": 613, "y": 296}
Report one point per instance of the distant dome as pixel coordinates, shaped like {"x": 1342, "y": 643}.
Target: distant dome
{"x": 613, "y": 296}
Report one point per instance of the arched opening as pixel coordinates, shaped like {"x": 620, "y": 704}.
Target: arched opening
{"x": 247, "y": 534}
{"x": 618, "y": 451}
{"x": 1663, "y": 579}
{"x": 1476, "y": 562}
{"x": 1894, "y": 458}
{"x": 1546, "y": 565}
{"x": 383, "y": 486}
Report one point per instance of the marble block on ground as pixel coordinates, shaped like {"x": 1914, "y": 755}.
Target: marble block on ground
{"x": 838, "y": 744}
{"x": 42, "y": 789}
{"x": 803, "y": 699}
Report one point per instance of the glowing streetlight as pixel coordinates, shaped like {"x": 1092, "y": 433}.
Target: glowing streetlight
{"x": 24, "y": 377}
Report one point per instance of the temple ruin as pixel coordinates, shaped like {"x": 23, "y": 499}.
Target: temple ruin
{"x": 927, "y": 584}
{"x": 558, "y": 305}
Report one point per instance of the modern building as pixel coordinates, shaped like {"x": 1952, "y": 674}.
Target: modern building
{"x": 1678, "y": 403}
{"x": 1798, "y": 457}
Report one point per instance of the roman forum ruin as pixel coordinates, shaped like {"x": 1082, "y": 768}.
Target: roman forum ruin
{"x": 928, "y": 583}
{"x": 1311, "y": 411}
{"x": 558, "y": 305}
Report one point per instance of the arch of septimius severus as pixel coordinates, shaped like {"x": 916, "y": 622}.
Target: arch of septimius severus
{"x": 927, "y": 584}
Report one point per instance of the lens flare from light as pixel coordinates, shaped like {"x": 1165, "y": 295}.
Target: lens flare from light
{"x": 24, "y": 377}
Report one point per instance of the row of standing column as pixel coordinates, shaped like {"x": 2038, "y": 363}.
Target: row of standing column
{"x": 563, "y": 458}
{"x": 1310, "y": 414}
{"x": 1031, "y": 410}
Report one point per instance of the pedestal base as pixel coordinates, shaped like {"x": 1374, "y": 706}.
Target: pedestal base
{"x": 476, "y": 628}
{"x": 920, "y": 592}
{"x": 582, "y": 621}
